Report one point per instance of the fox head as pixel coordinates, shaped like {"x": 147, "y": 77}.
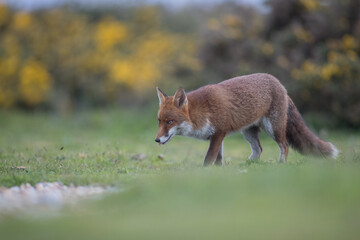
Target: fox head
{"x": 173, "y": 112}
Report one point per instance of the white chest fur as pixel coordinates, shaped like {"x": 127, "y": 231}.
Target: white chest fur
{"x": 204, "y": 133}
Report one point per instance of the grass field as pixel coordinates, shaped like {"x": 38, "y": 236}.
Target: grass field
{"x": 174, "y": 197}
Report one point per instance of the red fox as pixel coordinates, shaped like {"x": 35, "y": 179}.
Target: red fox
{"x": 246, "y": 104}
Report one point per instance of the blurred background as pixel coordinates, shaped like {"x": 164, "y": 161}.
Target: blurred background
{"x": 65, "y": 56}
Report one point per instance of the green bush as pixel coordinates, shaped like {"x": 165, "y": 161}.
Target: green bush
{"x": 312, "y": 46}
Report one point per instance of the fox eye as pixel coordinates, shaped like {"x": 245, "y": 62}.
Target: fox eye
{"x": 169, "y": 122}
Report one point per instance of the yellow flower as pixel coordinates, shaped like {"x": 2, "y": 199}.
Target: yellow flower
{"x": 34, "y": 82}
{"x": 267, "y": 49}
{"x": 329, "y": 70}
{"x": 231, "y": 21}
{"x": 6, "y": 98}
{"x": 303, "y": 35}
{"x": 333, "y": 56}
{"x": 4, "y": 14}
{"x": 156, "y": 46}
{"x": 22, "y": 20}
{"x": 11, "y": 44}
{"x": 122, "y": 71}
{"x": 310, "y": 4}
{"x": 309, "y": 67}
{"x": 135, "y": 73}
{"x": 352, "y": 55}
{"x": 9, "y": 66}
{"x": 110, "y": 32}
{"x": 348, "y": 42}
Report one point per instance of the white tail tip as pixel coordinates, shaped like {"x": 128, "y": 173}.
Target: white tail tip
{"x": 334, "y": 152}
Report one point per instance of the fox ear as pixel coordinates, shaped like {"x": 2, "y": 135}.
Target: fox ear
{"x": 180, "y": 99}
{"x": 161, "y": 95}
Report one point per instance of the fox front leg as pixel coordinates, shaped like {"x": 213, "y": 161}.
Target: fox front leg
{"x": 214, "y": 149}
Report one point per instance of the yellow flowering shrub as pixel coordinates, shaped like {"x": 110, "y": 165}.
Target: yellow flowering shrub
{"x": 7, "y": 97}
{"x": 303, "y": 35}
{"x": 146, "y": 61}
{"x": 94, "y": 58}
{"x": 136, "y": 74}
{"x": 35, "y": 82}
{"x": 9, "y": 66}
{"x": 110, "y": 32}
{"x": 267, "y": 49}
{"x": 349, "y": 42}
{"x": 4, "y": 14}
{"x": 22, "y": 21}
{"x": 311, "y": 4}
{"x": 329, "y": 70}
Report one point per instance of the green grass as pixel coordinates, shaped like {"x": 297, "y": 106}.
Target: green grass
{"x": 175, "y": 197}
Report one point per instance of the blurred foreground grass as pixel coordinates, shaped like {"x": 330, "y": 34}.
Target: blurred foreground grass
{"x": 175, "y": 197}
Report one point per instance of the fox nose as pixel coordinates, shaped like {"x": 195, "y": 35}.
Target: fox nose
{"x": 157, "y": 140}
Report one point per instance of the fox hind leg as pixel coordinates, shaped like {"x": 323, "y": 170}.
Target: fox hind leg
{"x": 280, "y": 138}
{"x": 219, "y": 157}
{"x": 251, "y": 135}
{"x": 284, "y": 149}
{"x": 277, "y": 131}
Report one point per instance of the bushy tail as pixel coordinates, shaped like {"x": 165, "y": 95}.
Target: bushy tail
{"x": 302, "y": 139}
